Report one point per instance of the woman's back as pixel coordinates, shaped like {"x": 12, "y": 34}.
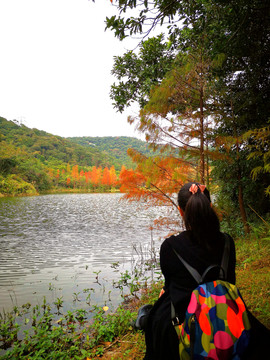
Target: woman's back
{"x": 178, "y": 280}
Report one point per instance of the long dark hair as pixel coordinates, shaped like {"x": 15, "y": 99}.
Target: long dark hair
{"x": 199, "y": 217}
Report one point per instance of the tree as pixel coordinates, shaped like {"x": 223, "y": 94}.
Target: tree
{"x": 237, "y": 31}
{"x": 237, "y": 37}
{"x": 75, "y": 174}
{"x": 157, "y": 11}
{"x": 106, "y": 177}
{"x": 136, "y": 74}
{"x": 260, "y": 149}
{"x": 155, "y": 180}
{"x": 94, "y": 176}
{"x": 8, "y": 155}
{"x": 113, "y": 176}
{"x": 179, "y": 109}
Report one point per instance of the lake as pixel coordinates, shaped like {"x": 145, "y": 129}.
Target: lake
{"x": 59, "y": 245}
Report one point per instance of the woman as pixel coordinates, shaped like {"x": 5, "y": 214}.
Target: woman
{"x": 201, "y": 245}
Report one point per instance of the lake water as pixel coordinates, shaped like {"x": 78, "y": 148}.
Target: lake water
{"x": 60, "y": 245}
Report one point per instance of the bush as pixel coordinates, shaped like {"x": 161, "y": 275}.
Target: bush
{"x": 15, "y": 186}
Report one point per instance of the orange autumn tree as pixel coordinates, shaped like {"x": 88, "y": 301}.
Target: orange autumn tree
{"x": 113, "y": 176}
{"x": 155, "y": 179}
{"x": 87, "y": 176}
{"x": 75, "y": 174}
{"x": 95, "y": 176}
{"x": 178, "y": 117}
{"x": 99, "y": 174}
{"x": 106, "y": 177}
{"x": 109, "y": 177}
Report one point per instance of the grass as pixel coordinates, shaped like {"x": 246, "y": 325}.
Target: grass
{"x": 110, "y": 335}
{"x": 253, "y": 274}
{"x": 131, "y": 345}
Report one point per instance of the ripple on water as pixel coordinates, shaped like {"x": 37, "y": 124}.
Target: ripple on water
{"x": 55, "y": 236}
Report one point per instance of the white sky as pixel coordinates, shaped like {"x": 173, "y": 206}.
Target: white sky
{"x": 55, "y": 66}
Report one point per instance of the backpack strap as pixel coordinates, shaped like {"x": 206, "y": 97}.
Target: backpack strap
{"x": 193, "y": 272}
{"x": 223, "y": 272}
{"x": 223, "y": 266}
{"x": 225, "y": 258}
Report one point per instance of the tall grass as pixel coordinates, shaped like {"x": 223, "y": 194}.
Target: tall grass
{"x": 253, "y": 270}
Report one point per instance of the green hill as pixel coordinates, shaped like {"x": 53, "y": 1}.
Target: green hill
{"x": 116, "y": 146}
{"x": 50, "y": 148}
{"x": 33, "y": 160}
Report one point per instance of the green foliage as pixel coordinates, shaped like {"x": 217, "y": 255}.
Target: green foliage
{"x": 108, "y": 326}
{"x": 148, "y": 16}
{"x": 136, "y": 74}
{"x": 66, "y": 338}
{"x": 44, "y": 340}
{"x": 232, "y": 171}
{"x": 8, "y": 155}
{"x": 259, "y": 140}
{"x": 117, "y": 146}
{"x": 232, "y": 225}
{"x": 15, "y": 186}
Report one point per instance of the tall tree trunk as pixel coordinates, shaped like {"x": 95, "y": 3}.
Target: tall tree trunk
{"x": 239, "y": 180}
{"x": 202, "y": 166}
{"x": 240, "y": 193}
{"x": 241, "y": 204}
{"x": 207, "y": 166}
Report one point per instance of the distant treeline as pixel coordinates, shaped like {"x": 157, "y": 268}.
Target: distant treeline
{"x": 34, "y": 161}
{"x": 115, "y": 146}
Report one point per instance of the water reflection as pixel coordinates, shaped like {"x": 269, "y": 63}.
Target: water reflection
{"x": 64, "y": 239}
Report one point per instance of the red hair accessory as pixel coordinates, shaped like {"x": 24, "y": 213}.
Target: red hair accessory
{"x": 194, "y": 188}
{"x": 202, "y": 187}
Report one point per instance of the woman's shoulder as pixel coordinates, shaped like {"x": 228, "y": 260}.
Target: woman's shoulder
{"x": 189, "y": 248}
{"x": 177, "y": 241}
{"x": 176, "y": 237}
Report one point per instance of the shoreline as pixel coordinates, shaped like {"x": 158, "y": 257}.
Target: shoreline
{"x": 58, "y": 192}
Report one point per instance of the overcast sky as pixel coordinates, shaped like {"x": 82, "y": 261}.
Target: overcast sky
{"x": 55, "y": 66}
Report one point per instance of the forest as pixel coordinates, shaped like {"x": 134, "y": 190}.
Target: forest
{"x": 202, "y": 86}
{"x": 33, "y": 161}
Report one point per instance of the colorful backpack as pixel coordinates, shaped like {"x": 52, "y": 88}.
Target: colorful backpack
{"x": 216, "y": 324}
